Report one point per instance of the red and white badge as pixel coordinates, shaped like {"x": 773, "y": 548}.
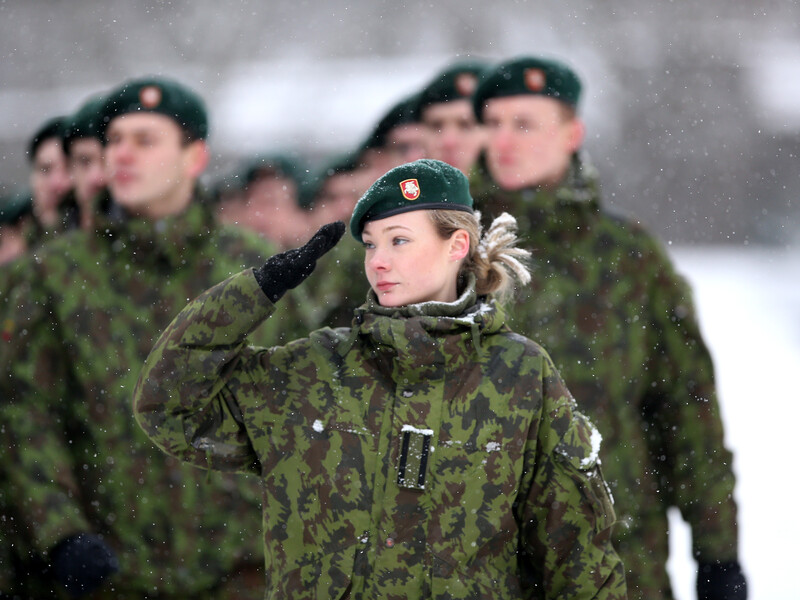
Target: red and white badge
{"x": 410, "y": 189}
{"x": 535, "y": 79}
{"x": 150, "y": 96}
{"x": 466, "y": 83}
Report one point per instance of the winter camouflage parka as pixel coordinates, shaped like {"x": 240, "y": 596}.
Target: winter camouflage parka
{"x": 83, "y": 321}
{"x": 426, "y": 452}
{"x": 619, "y": 323}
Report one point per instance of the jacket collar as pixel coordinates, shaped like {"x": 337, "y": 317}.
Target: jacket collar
{"x": 407, "y": 329}
{"x": 579, "y": 190}
{"x": 165, "y": 241}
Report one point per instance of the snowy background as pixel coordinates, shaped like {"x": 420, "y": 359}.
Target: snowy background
{"x": 748, "y": 300}
{"x": 693, "y": 116}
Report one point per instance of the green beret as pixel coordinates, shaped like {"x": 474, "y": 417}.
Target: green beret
{"x": 346, "y": 162}
{"x": 457, "y": 82}
{"x": 158, "y": 95}
{"x": 282, "y": 164}
{"x": 424, "y": 184}
{"x": 85, "y": 123}
{"x": 52, "y": 128}
{"x": 403, "y": 113}
{"x": 14, "y": 207}
{"x": 528, "y": 75}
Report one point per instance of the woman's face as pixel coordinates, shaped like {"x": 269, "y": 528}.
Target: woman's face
{"x": 407, "y": 262}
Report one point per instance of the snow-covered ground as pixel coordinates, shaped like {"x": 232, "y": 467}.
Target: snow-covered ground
{"x": 748, "y": 300}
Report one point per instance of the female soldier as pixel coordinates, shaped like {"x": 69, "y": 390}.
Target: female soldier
{"x": 426, "y": 452}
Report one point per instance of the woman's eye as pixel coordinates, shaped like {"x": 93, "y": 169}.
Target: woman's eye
{"x": 369, "y": 246}
{"x": 398, "y": 240}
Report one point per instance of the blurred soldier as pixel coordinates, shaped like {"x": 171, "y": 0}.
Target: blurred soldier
{"x": 50, "y": 182}
{"x": 399, "y": 136}
{"x": 619, "y": 322}
{"x": 395, "y": 139}
{"x": 271, "y": 203}
{"x": 333, "y": 194}
{"x": 452, "y": 133}
{"x": 84, "y": 150}
{"x": 15, "y": 211}
{"x": 103, "y": 507}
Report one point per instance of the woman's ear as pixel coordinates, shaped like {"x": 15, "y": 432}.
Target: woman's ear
{"x": 459, "y": 244}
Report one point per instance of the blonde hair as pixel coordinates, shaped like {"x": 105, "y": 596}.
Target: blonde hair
{"x": 493, "y": 256}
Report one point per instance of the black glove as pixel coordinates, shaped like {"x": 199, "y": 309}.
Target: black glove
{"x": 81, "y": 562}
{"x": 288, "y": 269}
{"x": 721, "y": 581}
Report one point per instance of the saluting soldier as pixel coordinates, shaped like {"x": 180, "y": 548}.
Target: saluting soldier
{"x": 424, "y": 452}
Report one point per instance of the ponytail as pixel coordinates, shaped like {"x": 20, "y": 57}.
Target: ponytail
{"x": 493, "y": 256}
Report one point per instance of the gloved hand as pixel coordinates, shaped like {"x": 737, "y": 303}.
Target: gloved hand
{"x": 721, "y": 581}
{"x": 288, "y": 269}
{"x": 82, "y": 562}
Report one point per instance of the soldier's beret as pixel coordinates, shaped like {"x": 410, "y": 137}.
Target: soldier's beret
{"x": 345, "y": 162}
{"x": 14, "y": 207}
{"x": 158, "y": 95}
{"x": 457, "y": 82}
{"x": 527, "y": 75}
{"x": 85, "y": 123}
{"x": 424, "y": 184}
{"x": 282, "y": 164}
{"x": 402, "y": 113}
{"x": 52, "y": 128}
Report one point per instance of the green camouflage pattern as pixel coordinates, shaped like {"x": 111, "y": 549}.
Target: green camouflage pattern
{"x": 510, "y": 502}
{"x": 619, "y": 323}
{"x": 85, "y": 317}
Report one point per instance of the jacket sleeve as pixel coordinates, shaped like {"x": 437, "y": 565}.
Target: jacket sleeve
{"x": 187, "y": 398}
{"x": 684, "y": 424}
{"x": 568, "y": 514}
{"x": 36, "y": 419}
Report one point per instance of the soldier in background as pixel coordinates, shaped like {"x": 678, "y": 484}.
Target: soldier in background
{"x": 270, "y": 204}
{"x": 452, "y": 133}
{"x": 399, "y": 136}
{"x": 50, "y": 182}
{"x": 84, "y": 150}
{"x": 15, "y": 210}
{"x": 618, "y": 320}
{"x": 332, "y": 194}
{"x": 103, "y": 508}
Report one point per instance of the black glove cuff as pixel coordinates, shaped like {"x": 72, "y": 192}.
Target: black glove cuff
{"x": 272, "y": 289}
{"x": 81, "y": 562}
{"x": 721, "y": 581}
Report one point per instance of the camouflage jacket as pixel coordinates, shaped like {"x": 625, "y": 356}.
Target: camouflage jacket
{"x": 84, "y": 320}
{"x": 427, "y": 452}
{"x": 619, "y": 323}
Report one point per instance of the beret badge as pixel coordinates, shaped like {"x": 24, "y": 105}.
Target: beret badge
{"x": 410, "y": 189}
{"x": 150, "y": 96}
{"x": 535, "y": 79}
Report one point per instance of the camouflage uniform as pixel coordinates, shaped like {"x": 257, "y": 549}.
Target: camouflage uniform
{"x": 618, "y": 321}
{"x": 86, "y": 318}
{"x": 427, "y": 452}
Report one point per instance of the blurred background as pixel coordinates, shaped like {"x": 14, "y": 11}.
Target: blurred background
{"x": 693, "y": 118}
{"x": 693, "y": 110}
